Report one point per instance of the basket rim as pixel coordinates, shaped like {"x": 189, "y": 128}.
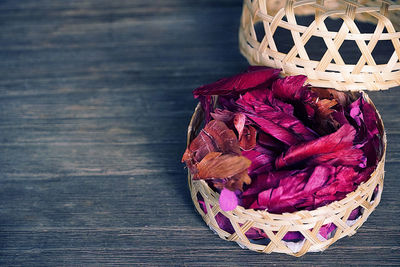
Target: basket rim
{"x": 327, "y": 209}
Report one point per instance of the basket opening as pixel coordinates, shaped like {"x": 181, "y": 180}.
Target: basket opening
{"x": 355, "y": 214}
{"x": 260, "y": 31}
{"x": 326, "y": 231}
{"x": 333, "y": 24}
{"x": 263, "y": 241}
{"x": 316, "y": 48}
{"x": 350, "y": 52}
{"x": 283, "y": 40}
{"x": 200, "y": 198}
{"x": 304, "y": 20}
{"x": 376, "y": 190}
{"x": 224, "y": 223}
{"x": 293, "y": 236}
{"x": 333, "y": 71}
{"x": 380, "y": 52}
{"x": 202, "y": 204}
{"x": 257, "y": 236}
{"x": 366, "y": 27}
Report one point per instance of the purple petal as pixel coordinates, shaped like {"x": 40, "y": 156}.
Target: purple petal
{"x": 326, "y": 229}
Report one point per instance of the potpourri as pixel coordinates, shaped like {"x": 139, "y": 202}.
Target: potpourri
{"x": 278, "y": 144}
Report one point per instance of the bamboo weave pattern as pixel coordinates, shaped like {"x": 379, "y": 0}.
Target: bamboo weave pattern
{"x": 330, "y": 71}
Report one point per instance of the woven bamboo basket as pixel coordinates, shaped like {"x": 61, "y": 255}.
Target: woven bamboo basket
{"x": 330, "y": 72}
{"x": 366, "y": 197}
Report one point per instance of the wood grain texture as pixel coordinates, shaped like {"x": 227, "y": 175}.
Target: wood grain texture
{"x": 95, "y": 98}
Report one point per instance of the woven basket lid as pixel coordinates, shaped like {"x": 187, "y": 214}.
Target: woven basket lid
{"x": 371, "y": 69}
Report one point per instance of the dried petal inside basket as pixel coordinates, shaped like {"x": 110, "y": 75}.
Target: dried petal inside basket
{"x": 310, "y": 146}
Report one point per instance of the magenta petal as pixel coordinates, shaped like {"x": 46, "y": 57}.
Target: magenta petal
{"x": 207, "y": 105}
{"x": 228, "y": 200}
{"x": 238, "y": 83}
{"x": 356, "y": 114}
{"x": 290, "y": 88}
{"x": 289, "y": 122}
{"x": 269, "y": 142}
{"x": 264, "y": 198}
{"x": 348, "y": 157}
{"x": 339, "y": 140}
{"x": 369, "y": 116}
{"x": 355, "y": 214}
{"x": 260, "y": 162}
{"x": 318, "y": 178}
{"x": 275, "y": 130}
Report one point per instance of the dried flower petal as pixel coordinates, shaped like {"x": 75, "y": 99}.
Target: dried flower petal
{"x": 276, "y": 130}
{"x": 237, "y": 181}
{"x": 324, "y": 107}
{"x": 340, "y": 140}
{"x": 218, "y": 165}
{"x": 239, "y": 121}
{"x": 238, "y": 83}
{"x": 248, "y": 139}
{"x": 223, "y": 115}
{"x": 227, "y": 200}
{"x": 332, "y": 94}
{"x": 290, "y": 88}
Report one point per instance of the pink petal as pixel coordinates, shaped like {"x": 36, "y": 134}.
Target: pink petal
{"x": 341, "y": 139}
{"x": 276, "y": 130}
{"x": 228, "y": 200}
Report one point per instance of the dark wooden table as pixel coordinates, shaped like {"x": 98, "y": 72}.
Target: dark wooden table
{"x": 95, "y": 98}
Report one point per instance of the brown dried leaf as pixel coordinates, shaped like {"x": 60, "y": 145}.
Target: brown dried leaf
{"x": 324, "y": 107}
{"x": 236, "y": 182}
{"x": 199, "y": 147}
{"x": 341, "y": 97}
{"x": 215, "y": 136}
{"x": 218, "y": 166}
{"x": 224, "y": 138}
